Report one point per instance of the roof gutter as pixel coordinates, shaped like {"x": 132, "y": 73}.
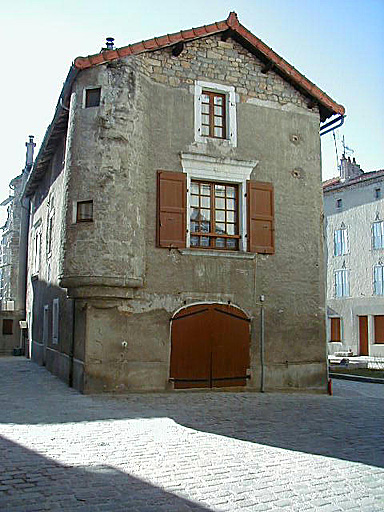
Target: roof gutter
{"x": 63, "y": 99}
{"x": 331, "y": 125}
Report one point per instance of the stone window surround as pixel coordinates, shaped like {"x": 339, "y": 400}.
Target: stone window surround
{"x": 229, "y": 91}
{"x": 219, "y": 170}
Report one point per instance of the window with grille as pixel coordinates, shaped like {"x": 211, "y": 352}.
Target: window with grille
{"x": 378, "y": 235}
{"x": 214, "y": 215}
{"x": 342, "y": 283}
{"x": 213, "y": 115}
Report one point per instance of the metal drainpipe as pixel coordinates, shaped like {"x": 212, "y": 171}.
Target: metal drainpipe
{"x": 262, "y": 331}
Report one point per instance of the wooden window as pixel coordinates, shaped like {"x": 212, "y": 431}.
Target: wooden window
{"x": 335, "y": 330}
{"x": 213, "y": 115}
{"x": 379, "y": 328}
{"x": 7, "y": 326}
{"x": 84, "y": 212}
{"x": 92, "y": 97}
{"x": 214, "y": 215}
{"x": 171, "y": 209}
{"x": 260, "y": 200}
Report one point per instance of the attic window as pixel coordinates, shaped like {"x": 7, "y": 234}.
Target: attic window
{"x": 84, "y": 211}
{"x": 92, "y": 97}
{"x": 339, "y": 203}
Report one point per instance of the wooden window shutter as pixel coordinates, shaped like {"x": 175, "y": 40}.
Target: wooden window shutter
{"x": 261, "y": 236}
{"x": 171, "y": 208}
{"x": 335, "y": 329}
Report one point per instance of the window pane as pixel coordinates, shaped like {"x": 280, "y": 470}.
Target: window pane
{"x": 220, "y": 204}
{"x": 205, "y": 130}
{"x": 205, "y": 190}
{"x": 231, "y": 243}
{"x": 218, "y": 132}
{"x": 218, "y": 111}
{"x": 231, "y": 229}
{"x": 220, "y": 242}
{"x": 220, "y": 227}
{"x": 204, "y": 241}
{"x": 220, "y": 215}
{"x": 218, "y": 100}
{"x": 231, "y": 205}
{"x": 195, "y": 214}
{"x": 194, "y": 226}
{"x": 218, "y": 121}
{"x": 205, "y": 227}
{"x": 205, "y": 108}
{"x": 231, "y": 217}
{"x": 205, "y": 119}
{"x": 194, "y": 188}
{"x": 205, "y": 98}
{"x": 205, "y": 214}
{"x": 205, "y": 201}
{"x": 231, "y": 192}
{"x": 194, "y": 241}
{"x": 220, "y": 190}
{"x": 194, "y": 200}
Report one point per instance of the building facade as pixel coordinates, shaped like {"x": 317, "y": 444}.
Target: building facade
{"x": 13, "y": 250}
{"x": 169, "y": 201}
{"x": 354, "y": 213}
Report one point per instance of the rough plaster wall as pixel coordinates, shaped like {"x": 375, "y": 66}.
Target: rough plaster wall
{"x": 105, "y": 161}
{"x": 360, "y": 210}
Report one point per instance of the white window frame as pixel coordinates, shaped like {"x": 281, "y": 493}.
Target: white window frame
{"x": 340, "y": 242}
{"x": 378, "y": 280}
{"x": 342, "y": 288}
{"x": 90, "y": 87}
{"x": 215, "y": 170}
{"x": 55, "y": 321}
{"x": 230, "y": 109}
{"x": 378, "y": 235}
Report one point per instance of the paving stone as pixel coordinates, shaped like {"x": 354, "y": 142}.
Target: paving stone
{"x": 200, "y": 452}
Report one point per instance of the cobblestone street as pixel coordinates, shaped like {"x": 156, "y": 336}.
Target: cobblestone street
{"x": 63, "y": 451}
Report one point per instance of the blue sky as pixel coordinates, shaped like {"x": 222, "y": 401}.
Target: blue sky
{"x": 337, "y": 44}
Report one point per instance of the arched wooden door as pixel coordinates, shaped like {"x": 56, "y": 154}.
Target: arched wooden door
{"x": 210, "y": 347}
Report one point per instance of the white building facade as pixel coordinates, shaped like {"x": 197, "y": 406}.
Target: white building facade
{"x": 354, "y": 231}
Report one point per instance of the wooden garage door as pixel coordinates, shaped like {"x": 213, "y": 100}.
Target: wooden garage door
{"x": 210, "y": 347}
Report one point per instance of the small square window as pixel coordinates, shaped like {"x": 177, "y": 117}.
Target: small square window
{"x": 339, "y": 203}
{"x": 7, "y": 326}
{"x": 377, "y": 193}
{"x": 92, "y": 97}
{"x": 84, "y": 212}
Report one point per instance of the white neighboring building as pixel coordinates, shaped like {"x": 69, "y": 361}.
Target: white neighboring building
{"x": 354, "y": 231}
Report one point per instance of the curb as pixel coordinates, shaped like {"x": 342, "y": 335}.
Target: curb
{"x": 358, "y": 378}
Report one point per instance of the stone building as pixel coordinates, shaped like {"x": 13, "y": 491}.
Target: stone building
{"x": 354, "y": 227}
{"x": 169, "y": 204}
{"x": 13, "y": 261}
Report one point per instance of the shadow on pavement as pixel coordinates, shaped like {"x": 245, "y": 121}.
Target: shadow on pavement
{"x": 39, "y": 483}
{"x": 341, "y": 427}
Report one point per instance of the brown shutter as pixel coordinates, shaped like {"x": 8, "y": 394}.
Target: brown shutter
{"x": 171, "y": 212}
{"x": 260, "y": 217}
{"x": 335, "y": 329}
{"x": 379, "y": 328}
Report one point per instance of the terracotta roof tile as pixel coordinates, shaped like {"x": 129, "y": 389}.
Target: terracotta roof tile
{"x": 233, "y": 24}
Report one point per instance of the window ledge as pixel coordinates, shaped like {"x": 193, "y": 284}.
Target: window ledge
{"x": 219, "y": 254}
